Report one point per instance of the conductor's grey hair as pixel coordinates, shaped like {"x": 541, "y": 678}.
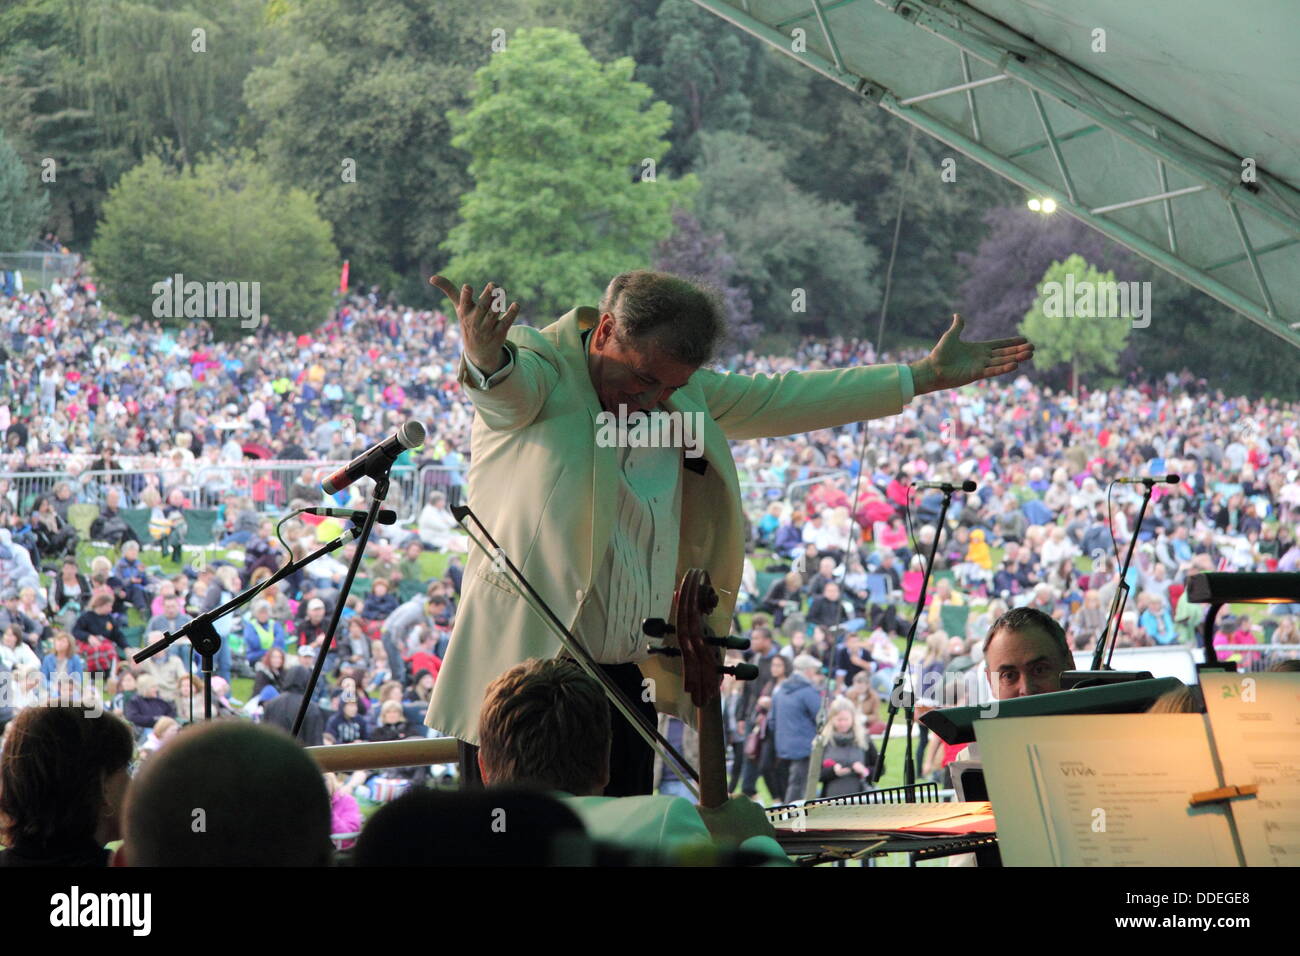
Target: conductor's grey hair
{"x": 664, "y": 311}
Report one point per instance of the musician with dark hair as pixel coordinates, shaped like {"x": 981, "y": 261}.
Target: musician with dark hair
{"x": 546, "y": 723}
{"x": 1024, "y": 654}
{"x": 603, "y": 517}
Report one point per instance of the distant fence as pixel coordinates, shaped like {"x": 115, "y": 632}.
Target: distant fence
{"x": 268, "y": 484}
{"x": 39, "y": 269}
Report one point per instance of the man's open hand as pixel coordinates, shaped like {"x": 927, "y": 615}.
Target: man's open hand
{"x": 482, "y": 330}
{"x": 954, "y": 363}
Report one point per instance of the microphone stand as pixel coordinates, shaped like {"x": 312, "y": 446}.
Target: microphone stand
{"x": 379, "y": 472}
{"x": 902, "y": 691}
{"x": 204, "y": 637}
{"x": 1121, "y": 590}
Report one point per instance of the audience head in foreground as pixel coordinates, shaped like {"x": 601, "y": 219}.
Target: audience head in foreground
{"x": 228, "y": 793}
{"x": 1025, "y": 653}
{"x": 472, "y": 828}
{"x": 63, "y": 780}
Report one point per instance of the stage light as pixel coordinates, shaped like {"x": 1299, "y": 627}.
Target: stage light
{"x": 1049, "y": 206}
{"x": 1035, "y": 205}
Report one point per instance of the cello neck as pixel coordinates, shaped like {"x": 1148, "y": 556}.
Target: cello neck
{"x": 713, "y": 755}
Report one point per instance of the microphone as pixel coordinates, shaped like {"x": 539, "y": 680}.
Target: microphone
{"x": 376, "y": 458}
{"x": 385, "y": 516}
{"x": 966, "y": 486}
{"x": 1166, "y": 479}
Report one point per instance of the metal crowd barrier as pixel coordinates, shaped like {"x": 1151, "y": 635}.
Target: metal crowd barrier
{"x": 266, "y": 483}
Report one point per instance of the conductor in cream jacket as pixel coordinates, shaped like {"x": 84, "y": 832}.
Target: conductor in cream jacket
{"x": 603, "y": 527}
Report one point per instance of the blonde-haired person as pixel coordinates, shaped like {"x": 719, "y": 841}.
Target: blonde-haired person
{"x": 163, "y": 730}
{"x": 29, "y": 604}
{"x": 167, "y": 523}
{"x": 1180, "y": 700}
{"x": 392, "y": 782}
{"x": 867, "y": 701}
{"x": 189, "y": 699}
{"x": 933, "y": 662}
{"x": 1287, "y": 632}
{"x": 848, "y": 755}
{"x": 63, "y": 658}
{"x": 389, "y": 690}
{"x": 1085, "y": 624}
{"x": 944, "y": 595}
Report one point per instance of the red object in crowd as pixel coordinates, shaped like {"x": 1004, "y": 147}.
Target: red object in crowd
{"x": 267, "y": 489}
{"x": 99, "y": 658}
{"x": 821, "y": 498}
{"x": 424, "y": 661}
{"x": 896, "y": 492}
{"x": 950, "y": 752}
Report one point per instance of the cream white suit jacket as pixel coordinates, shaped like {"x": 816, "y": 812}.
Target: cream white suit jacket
{"x": 545, "y": 489}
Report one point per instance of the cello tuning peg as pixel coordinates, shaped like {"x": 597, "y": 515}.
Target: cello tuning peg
{"x": 734, "y": 643}
{"x": 656, "y": 627}
{"x": 708, "y": 599}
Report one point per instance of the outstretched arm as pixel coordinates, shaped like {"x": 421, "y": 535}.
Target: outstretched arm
{"x": 954, "y": 363}
{"x": 511, "y": 383}
{"x": 766, "y": 406}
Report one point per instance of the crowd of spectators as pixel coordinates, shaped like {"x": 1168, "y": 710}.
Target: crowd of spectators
{"x": 131, "y": 415}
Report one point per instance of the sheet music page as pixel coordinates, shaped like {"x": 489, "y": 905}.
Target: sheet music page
{"x": 1104, "y": 790}
{"x": 1126, "y": 805}
{"x": 1255, "y": 723}
{"x": 873, "y": 817}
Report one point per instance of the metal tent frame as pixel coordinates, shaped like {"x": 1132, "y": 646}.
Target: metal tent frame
{"x": 1041, "y": 118}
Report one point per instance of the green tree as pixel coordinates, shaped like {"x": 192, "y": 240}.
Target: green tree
{"x": 168, "y": 72}
{"x": 96, "y": 85}
{"x": 836, "y": 145}
{"x": 1071, "y": 322}
{"x": 223, "y": 220}
{"x": 37, "y": 111}
{"x": 803, "y": 257}
{"x": 560, "y": 147}
{"x": 23, "y": 206}
{"x": 697, "y": 63}
{"x": 354, "y": 108}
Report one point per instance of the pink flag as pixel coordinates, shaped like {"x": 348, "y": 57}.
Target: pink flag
{"x": 343, "y": 279}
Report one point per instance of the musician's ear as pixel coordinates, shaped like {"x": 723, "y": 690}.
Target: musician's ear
{"x": 603, "y": 331}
